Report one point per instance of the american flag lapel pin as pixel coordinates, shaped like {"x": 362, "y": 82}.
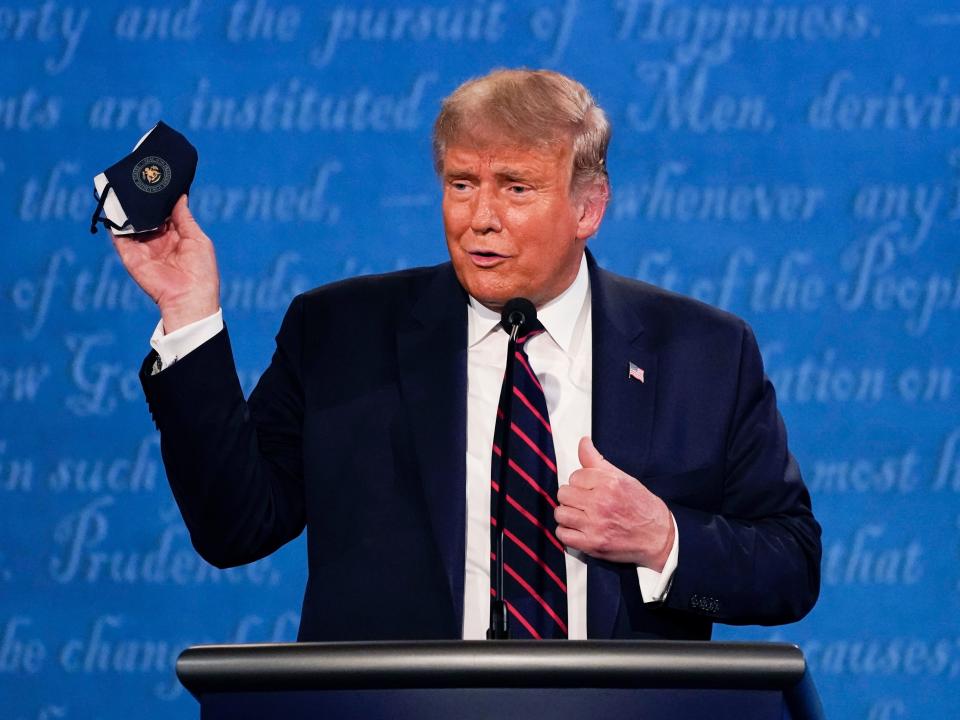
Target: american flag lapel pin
{"x": 635, "y": 372}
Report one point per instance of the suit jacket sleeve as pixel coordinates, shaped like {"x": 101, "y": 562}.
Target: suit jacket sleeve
{"x": 235, "y": 467}
{"x": 757, "y": 560}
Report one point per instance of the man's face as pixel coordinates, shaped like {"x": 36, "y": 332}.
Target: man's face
{"x": 512, "y": 227}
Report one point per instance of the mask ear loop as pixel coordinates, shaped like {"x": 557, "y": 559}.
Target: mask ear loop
{"x": 107, "y": 222}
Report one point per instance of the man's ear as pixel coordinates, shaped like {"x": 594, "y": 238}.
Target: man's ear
{"x": 591, "y": 204}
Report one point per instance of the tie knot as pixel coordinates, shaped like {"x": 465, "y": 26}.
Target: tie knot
{"x": 527, "y": 330}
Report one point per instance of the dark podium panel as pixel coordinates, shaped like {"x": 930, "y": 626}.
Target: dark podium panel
{"x": 552, "y": 680}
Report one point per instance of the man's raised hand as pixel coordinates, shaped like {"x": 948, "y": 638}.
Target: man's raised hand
{"x": 176, "y": 266}
{"x": 612, "y": 516}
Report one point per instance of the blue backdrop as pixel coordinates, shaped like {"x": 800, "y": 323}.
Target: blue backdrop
{"x": 795, "y": 162}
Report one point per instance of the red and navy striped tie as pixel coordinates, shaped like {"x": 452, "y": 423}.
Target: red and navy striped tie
{"x": 535, "y": 576}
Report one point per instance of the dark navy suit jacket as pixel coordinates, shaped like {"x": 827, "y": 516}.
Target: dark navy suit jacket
{"x": 357, "y": 430}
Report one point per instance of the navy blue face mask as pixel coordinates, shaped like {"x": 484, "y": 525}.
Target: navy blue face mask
{"x": 139, "y": 192}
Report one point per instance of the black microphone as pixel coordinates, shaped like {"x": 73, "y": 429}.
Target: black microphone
{"x": 518, "y": 314}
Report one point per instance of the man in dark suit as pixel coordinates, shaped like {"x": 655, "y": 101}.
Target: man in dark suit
{"x": 372, "y": 425}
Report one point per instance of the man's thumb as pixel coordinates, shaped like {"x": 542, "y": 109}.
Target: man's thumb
{"x": 181, "y": 214}
{"x": 590, "y": 457}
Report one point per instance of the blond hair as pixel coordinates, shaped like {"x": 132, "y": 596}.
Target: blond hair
{"x": 531, "y": 108}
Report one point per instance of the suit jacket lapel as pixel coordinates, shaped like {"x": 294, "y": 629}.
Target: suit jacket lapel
{"x": 622, "y": 417}
{"x": 432, "y": 353}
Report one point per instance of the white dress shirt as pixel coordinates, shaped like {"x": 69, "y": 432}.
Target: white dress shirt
{"x": 562, "y": 359}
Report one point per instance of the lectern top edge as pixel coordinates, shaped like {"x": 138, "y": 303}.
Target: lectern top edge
{"x": 626, "y": 664}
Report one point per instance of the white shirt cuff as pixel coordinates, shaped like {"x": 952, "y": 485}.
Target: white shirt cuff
{"x": 184, "y": 340}
{"x": 654, "y": 585}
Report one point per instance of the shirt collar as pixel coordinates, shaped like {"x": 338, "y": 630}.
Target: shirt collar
{"x": 559, "y": 316}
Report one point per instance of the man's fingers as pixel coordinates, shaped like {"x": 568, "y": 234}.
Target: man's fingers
{"x": 126, "y": 248}
{"x": 585, "y": 479}
{"x": 572, "y": 538}
{"x": 571, "y": 517}
{"x": 573, "y": 496}
{"x": 113, "y": 239}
